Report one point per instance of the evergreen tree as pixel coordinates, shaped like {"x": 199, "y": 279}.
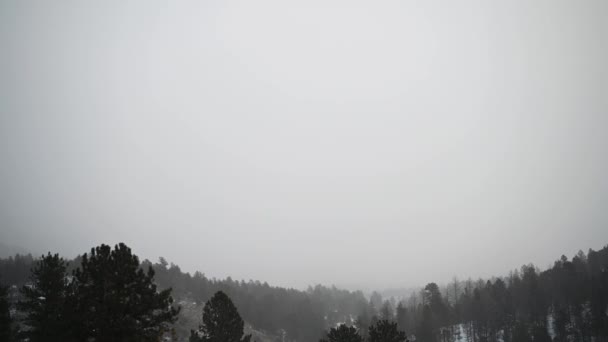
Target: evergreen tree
{"x": 521, "y": 332}
{"x": 599, "y": 303}
{"x": 5, "y": 316}
{"x": 385, "y": 331}
{"x": 16, "y": 270}
{"x": 366, "y": 318}
{"x": 115, "y": 300}
{"x": 425, "y": 330}
{"x": 401, "y": 316}
{"x": 376, "y": 300}
{"x": 343, "y": 333}
{"x": 44, "y": 300}
{"x": 221, "y": 322}
{"x": 434, "y": 313}
{"x": 540, "y": 334}
{"x": 387, "y": 311}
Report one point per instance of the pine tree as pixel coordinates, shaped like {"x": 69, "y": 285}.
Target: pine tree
{"x": 521, "y": 332}
{"x": 343, "y": 333}
{"x": 401, "y": 316}
{"x": 44, "y": 300}
{"x": 221, "y": 322}
{"x": 386, "y": 331}
{"x": 387, "y": 311}
{"x": 425, "y": 330}
{"x": 5, "y": 316}
{"x": 115, "y": 300}
{"x": 366, "y": 318}
{"x": 540, "y": 334}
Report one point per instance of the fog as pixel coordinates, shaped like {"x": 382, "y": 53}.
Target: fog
{"x": 363, "y": 144}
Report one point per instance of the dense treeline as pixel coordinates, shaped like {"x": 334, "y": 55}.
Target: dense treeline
{"x": 567, "y": 302}
{"x": 287, "y": 313}
{"x": 300, "y": 315}
{"x": 16, "y": 270}
{"x": 380, "y": 331}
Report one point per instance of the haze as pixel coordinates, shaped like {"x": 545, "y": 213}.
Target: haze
{"x": 363, "y": 144}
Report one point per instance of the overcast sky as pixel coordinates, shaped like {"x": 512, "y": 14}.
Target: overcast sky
{"x": 364, "y": 144}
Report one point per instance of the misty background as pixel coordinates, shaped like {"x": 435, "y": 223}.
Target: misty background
{"x": 277, "y": 141}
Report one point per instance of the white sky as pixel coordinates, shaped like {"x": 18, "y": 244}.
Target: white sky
{"x": 365, "y": 144}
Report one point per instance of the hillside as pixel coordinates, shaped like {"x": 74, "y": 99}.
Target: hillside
{"x": 566, "y": 301}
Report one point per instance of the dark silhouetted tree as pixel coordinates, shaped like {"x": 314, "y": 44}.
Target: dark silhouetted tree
{"x": 115, "y": 300}
{"x": 435, "y": 313}
{"x": 343, "y": 333}
{"x": 425, "y": 330}
{"x": 386, "y": 331}
{"x": 540, "y": 334}
{"x": 221, "y": 322}
{"x": 44, "y": 300}
{"x": 6, "y": 332}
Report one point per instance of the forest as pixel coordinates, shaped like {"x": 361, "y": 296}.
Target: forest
{"x": 107, "y": 294}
